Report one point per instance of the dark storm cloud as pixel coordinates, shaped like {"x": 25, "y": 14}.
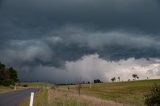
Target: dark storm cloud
{"x": 47, "y": 33}
{"x": 1, "y": 1}
{"x": 138, "y": 15}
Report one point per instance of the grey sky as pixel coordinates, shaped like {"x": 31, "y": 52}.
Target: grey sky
{"x": 49, "y": 33}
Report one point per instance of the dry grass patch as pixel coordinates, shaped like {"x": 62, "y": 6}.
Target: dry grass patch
{"x": 59, "y": 97}
{"x": 4, "y": 89}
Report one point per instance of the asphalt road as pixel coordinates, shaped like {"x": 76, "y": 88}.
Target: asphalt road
{"x": 14, "y": 98}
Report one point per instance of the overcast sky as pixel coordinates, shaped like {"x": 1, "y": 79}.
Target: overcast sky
{"x": 67, "y": 40}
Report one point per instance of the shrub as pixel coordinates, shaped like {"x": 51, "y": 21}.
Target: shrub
{"x": 153, "y": 97}
{"x": 25, "y": 85}
{"x": 8, "y": 76}
{"x": 11, "y": 86}
{"x": 97, "y": 81}
{"x": 7, "y": 82}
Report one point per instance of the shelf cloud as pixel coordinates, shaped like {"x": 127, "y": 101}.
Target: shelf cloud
{"x": 52, "y": 40}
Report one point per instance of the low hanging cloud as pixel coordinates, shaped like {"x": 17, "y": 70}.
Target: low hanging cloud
{"x": 25, "y": 51}
{"x": 53, "y": 40}
{"x": 73, "y": 53}
{"x": 71, "y": 43}
{"x": 92, "y": 67}
{"x": 100, "y": 39}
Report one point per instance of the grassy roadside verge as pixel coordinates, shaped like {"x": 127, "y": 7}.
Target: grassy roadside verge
{"x": 4, "y": 89}
{"x": 49, "y": 97}
{"x": 40, "y": 99}
{"x": 37, "y": 84}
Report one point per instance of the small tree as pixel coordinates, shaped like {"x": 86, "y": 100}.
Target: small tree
{"x": 119, "y": 78}
{"x": 97, "y": 81}
{"x": 13, "y": 74}
{"x": 2, "y": 66}
{"x": 135, "y": 76}
{"x": 113, "y": 79}
{"x": 7, "y": 76}
{"x": 153, "y": 97}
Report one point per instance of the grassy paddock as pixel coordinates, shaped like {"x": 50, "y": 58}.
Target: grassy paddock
{"x": 63, "y": 98}
{"x": 131, "y": 93}
{"x": 104, "y": 94}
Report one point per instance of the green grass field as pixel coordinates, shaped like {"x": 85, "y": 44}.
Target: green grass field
{"x": 126, "y": 93}
{"x": 131, "y": 93}
{"x": 37, "y": 84}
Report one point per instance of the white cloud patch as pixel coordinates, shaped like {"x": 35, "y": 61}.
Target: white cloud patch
{"x": 92, "y": 67}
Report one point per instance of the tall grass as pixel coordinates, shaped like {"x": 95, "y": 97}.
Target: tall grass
{"x": 63, "y": 98}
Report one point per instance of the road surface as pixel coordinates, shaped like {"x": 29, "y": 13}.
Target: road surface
{"x": 14, "y": 98}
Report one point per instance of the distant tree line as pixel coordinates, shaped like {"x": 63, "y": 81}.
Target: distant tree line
{"x": 135, "y": 76}
{"x": 98, "y": 81}
{"x": 8, "y": 76}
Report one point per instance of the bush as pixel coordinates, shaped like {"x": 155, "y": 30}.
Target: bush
{"x": 97, "y": 81}
{"x": 153, "y": 97}
{"x": 8, "y": 76}
{"x": 25, "y": 85}
{"x": 7, "y": 82}
{"x": 11, "y": 86}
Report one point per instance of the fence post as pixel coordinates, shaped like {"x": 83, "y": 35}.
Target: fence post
{"x": 31, "y": 99}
